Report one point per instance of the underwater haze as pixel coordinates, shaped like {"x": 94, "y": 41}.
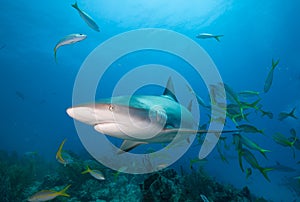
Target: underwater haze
{"x": 255, "y": 46}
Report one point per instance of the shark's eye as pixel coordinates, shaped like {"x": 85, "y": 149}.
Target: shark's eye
{"x": 111, "y": 108}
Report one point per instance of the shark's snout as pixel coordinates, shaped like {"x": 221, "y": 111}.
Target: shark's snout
{"x": 83, "y": 114}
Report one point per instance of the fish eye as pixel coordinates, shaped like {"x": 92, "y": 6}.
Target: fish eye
{"x": 111, "y": 108}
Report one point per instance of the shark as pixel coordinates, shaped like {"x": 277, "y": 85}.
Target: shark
{"x": 140, "y": 119}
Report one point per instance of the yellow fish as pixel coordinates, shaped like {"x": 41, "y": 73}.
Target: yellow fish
{"x": 95, "y": 173}
{"x": 46, "y": 195}
{"x": 59, "y": 154}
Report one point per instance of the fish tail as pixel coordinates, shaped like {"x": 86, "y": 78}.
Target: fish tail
{"x": 264, "y": 172}
{"x": 234, "y": 121}
{"x": 262, "y": 132}
{"x": 58, "y": 153}
{"x": 55, "y": 55}
{"x": 270, "y": 115}
{"x": 218, "y": 37}
{"x": 63, "y": 192}
{"x": 263, "y": 152}
{"x": 295, "y": 139}
{"x": 242, "y": 112}
{"x": 274, "y": 63}
{"x": 292, "y": 113}
{"x": 255, "y": 103}
{"x": 87, "y": 170}
{"x": 240, "y": 160}
{"x": 246, "y": 117}
{"x": 75, "y": 5}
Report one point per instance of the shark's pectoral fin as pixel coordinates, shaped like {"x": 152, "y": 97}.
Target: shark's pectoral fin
{"x": 128, "y": 145}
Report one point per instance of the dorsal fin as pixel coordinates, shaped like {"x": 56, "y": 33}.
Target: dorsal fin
{"x": 169, "y": 90}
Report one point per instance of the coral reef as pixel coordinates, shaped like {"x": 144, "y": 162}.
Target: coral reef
{"x": 20, "y": 177}
{"x": 15, "y": 177}
{"x": 169, "y": 186}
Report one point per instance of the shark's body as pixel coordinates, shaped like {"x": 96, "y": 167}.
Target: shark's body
{"x": 138, "y": 119}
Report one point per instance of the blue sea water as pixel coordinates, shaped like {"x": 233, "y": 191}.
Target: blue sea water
{"x": 36, "y": 91}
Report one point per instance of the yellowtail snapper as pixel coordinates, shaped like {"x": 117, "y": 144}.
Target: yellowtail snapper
{"x": 97, "y": 174}
{"x": 63, "y": 157}
{"x": 46, "y": 195}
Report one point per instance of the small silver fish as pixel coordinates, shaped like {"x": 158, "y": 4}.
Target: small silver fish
{"x": 207, "y": 36}
{"x": 69, "y": 39}
{"x": 88, "y": 19}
